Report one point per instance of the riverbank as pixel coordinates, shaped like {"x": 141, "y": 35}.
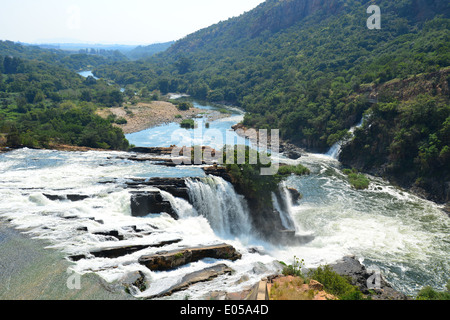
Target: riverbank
{"x": 145, "y": 115}
{"x": 30, "y": 271}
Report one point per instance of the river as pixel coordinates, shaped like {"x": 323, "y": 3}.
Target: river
{"x": 404, "y": 236}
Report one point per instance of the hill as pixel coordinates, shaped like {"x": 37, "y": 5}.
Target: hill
{"x": 299, "y": 65}
{"x": 142, "y": 52}
{"x": 83, "y": 60}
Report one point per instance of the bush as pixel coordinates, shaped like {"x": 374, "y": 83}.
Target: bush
{"x": 187, "y": 124}
{"x": 295, "y": 269}
{"x": 428, "y": 293}
{"x": 298, "y": 170}
{"x": 184, "y": 106}
{"x": 121, "y": 121}
{"x": 357, "y": 180}
{"x": 335, "y": 284}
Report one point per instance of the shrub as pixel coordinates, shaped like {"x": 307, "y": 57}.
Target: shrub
{"x": 121, "y": 121}
{"x": 295, "y": 269}
{"x": 184, "y": 106}
{"x": 187, "y": 124}
{"x": 428, "y": 293}
{"x": 335, "y": 284}
{"x": 298, "y": 170}
{"x": 357, "y": 180}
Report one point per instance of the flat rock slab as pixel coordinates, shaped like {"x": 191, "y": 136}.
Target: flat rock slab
{"x": 174, "y": 259}
{"x": 196, "y": 277}
{"x": 118, "y": 251}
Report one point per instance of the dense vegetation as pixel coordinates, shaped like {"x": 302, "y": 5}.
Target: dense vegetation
{"x": 247, "y": 177}
{"x": 45, "y": 104}
{"x": 296, "y": 77}
{"x": 428, "y": 293}
{"x": 142, "y": 52}
{"x": 332, "y": 282}
{"x": 408, "y": 142}
{"x": 83, "y": 60}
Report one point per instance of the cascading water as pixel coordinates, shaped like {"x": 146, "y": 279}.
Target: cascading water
{"x": 405, "y": 236}
{"x": 282, "y": 202}
{"x": 335, "y": 150}
{"x": 215, "y": 199}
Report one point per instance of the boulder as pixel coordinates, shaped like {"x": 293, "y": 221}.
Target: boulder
{"x": 175, "y": 186}
{"x": 174, "y": 259}
{"x": 145, "y": 203}
{"x": 296, "y": 196}
{"x": 315, "y": 285}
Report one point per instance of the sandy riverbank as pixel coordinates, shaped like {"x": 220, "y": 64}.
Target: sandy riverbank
{"x": 146, "y": 115}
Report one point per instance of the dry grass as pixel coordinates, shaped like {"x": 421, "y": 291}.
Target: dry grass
{"x": 146, "y": 115}
{"x": 294, "y": 288}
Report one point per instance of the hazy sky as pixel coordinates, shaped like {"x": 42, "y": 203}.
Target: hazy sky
{"x": 112, "y": 21}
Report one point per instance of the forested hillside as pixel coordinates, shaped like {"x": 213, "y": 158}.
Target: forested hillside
{"x": 293, "y": 64}
{"x": 302, "y": 65}
{"x": 43, "y": 105}
{"x": 142, "y": 52}
{"x": 70, "y": 60}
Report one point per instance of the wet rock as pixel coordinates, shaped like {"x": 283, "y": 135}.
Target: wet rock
{"x": 175, "y": 186}
{"x": 145, "y": 203}
{"x": 122, "y": 250}
{"x": 290, "y": 238}
{"x": 174, "y": 259}
{"x": 70, "y": 197}
{"x": 110, "y": 233}
{"x": 296, "y": 196}
{"x": 218, "y": 171}
{"x": 152, "y": 150}
{"x": 206, "y": 274}
{"x": 134, "y": 282}
{"x": 291, "y": 151}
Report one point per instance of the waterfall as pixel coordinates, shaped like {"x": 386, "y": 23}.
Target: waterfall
{"x": 282, "y": 202}
{"x": 335, "y": 150}
{"x": 216, "y": 199}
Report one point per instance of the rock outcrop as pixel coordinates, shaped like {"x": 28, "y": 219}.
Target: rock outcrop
{"x": 148, "y": 202}
{"x": 174, "y": 259}
{"x": 121, "y": 250}
{"x": 175, "y": 186}
{"x": 359, "y": 275}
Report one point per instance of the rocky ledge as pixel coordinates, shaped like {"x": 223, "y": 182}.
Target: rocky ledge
{"x": 169, "y": 260}
{"x": 359, "y": 275}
